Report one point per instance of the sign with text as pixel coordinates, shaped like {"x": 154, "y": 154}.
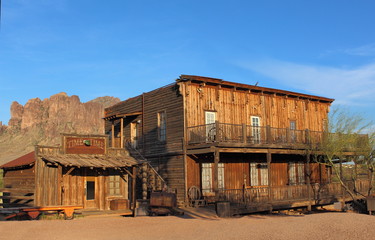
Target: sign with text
{"x": 84, "y": 145}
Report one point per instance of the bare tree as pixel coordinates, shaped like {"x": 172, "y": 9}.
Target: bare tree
{"x": 347, "y": 138}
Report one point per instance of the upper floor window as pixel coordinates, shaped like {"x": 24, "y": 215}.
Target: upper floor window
{"x": 162, "y": 126}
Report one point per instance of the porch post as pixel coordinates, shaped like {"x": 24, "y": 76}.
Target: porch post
{"x": 269, "y": 159}
{"x": 122, "y": 133}
{"x": 134, "y": 200}
{"x": 113, "y": 134}
{"x": 308, "y": 181}
{"x": 216, "y": 171}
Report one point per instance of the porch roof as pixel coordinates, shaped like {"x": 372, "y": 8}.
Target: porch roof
{"x": 85, "y": 160}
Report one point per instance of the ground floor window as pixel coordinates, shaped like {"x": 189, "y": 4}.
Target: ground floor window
{"x": 207, "y": 177}
{"x": 258, "y": 174}
{"x": 114, "y": 184}
{"x": 296, "y": 173}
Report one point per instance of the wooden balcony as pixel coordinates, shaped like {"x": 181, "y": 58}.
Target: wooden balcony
{"x": 242, "y": 135}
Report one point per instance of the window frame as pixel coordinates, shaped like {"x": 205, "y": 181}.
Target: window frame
{"x": 162, "y": 125}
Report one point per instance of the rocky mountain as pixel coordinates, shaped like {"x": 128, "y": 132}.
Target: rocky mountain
{"x": 41, "y": 122}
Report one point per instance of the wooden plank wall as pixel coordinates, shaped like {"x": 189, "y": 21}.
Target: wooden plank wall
{"x": 20, "y": 182}
{"x": 236, "y": 106}
{"x": 73, "y": 186}
{"x": 163, "y": 99}
{"x": 165, "y": 156}
{"x": 171, "y": 169}
{"x": 237, "y": 168}
{"x": 47, "y": 186}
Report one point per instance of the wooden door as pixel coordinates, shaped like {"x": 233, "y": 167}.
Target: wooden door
{"x": 90, "y": 192}
{"x": 134, "y": 134}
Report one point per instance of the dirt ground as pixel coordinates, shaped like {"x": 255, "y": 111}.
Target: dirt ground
{"x": 324, "y": 225}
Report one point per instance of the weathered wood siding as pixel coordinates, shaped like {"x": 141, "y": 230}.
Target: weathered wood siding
{"x": 166, "y": 155}
{"x": 237, "y": 169}
{"x": 236, "y": 107}
{"x": 19, "y": 182}
{"x": 165, "y": 99}
{"x": 171, "y": 168}
{"x": 47, "y": 184}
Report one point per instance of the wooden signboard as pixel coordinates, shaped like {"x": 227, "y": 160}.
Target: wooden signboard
{"x": 85, "y": 145}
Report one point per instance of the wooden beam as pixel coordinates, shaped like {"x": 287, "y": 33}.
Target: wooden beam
{"x": 269, "y": 159}
{"x": 308, "y": 182}
{"x": 134, "y": 200}
{"x": 216, "y": 171}
{"x": 113, "y": 134}
{"x": 122, "y": 133}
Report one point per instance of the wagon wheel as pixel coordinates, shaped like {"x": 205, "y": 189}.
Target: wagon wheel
{"x": 194, "y": 194}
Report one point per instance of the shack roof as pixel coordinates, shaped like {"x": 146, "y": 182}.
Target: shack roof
{"x": 27, "y": 159}
{"x": 78, "y": 160}
{"x": 85, "y": 160}
{"x": 216, "y": 81}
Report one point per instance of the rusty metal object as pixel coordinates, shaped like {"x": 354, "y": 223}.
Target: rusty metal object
{"x": 163, "y": 199}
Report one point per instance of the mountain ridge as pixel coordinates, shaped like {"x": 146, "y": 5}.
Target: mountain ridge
{"x": 41, "y": 122}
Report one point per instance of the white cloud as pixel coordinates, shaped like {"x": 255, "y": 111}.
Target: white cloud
{"x": 348, "y": 86}
{"x": 365, "y": 50}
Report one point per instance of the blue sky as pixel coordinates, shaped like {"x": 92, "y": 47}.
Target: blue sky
{"x": 122, "y": 48}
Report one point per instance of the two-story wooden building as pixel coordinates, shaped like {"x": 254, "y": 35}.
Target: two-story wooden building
{"x": 242, "y": 143}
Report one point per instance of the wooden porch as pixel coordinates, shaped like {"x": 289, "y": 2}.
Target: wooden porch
{"x": 265, "y": 198}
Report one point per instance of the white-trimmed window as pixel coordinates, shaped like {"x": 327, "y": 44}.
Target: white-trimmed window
{"x": 162, "y": 126}
{"x": 255, "y": 129}
{"x": 258, "y": 174}
{"x": 210, "y": 119}
{"x": 207, "y": 177}
{"x": 296, "y": 173}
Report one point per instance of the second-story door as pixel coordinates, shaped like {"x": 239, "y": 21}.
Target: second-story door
{"x": 210, "y": 118}
{"x": 255, "y": 129}
{"x": 134, "y": 134}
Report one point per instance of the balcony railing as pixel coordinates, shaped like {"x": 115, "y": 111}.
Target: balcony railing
{"x": 274, "y": 194}
{"x": 242, "y": 133}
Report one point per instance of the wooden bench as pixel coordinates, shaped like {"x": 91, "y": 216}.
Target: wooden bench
{"x": 34, "y": 212}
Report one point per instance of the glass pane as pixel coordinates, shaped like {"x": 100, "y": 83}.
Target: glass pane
{"x": 90, "y": 190}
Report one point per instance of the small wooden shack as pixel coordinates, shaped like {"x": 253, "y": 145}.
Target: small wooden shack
{"x": 82, "y": 171}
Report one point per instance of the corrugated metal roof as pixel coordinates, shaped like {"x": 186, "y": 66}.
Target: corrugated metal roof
{"x": 24, "y": 160}
{"x": 99, "y": 161}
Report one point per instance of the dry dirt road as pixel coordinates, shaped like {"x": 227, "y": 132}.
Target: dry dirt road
{"x": 328, "y": 225}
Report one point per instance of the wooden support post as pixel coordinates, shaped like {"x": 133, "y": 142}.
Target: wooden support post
{"x": 113, "y": 134}
{"x": 122, "y": 133}
{"x": 216, "y": 171}
{"x": 308, "y": 181}
{"x": 288, "y": 140}
{"x": 244, "y": 137}
{"x": 268, "y": 134}
{"x": 269, "y": 159}
{"x": 134, "y": 199}
{"x": 217, "y": 135}
{"x": 307, "y": 136}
